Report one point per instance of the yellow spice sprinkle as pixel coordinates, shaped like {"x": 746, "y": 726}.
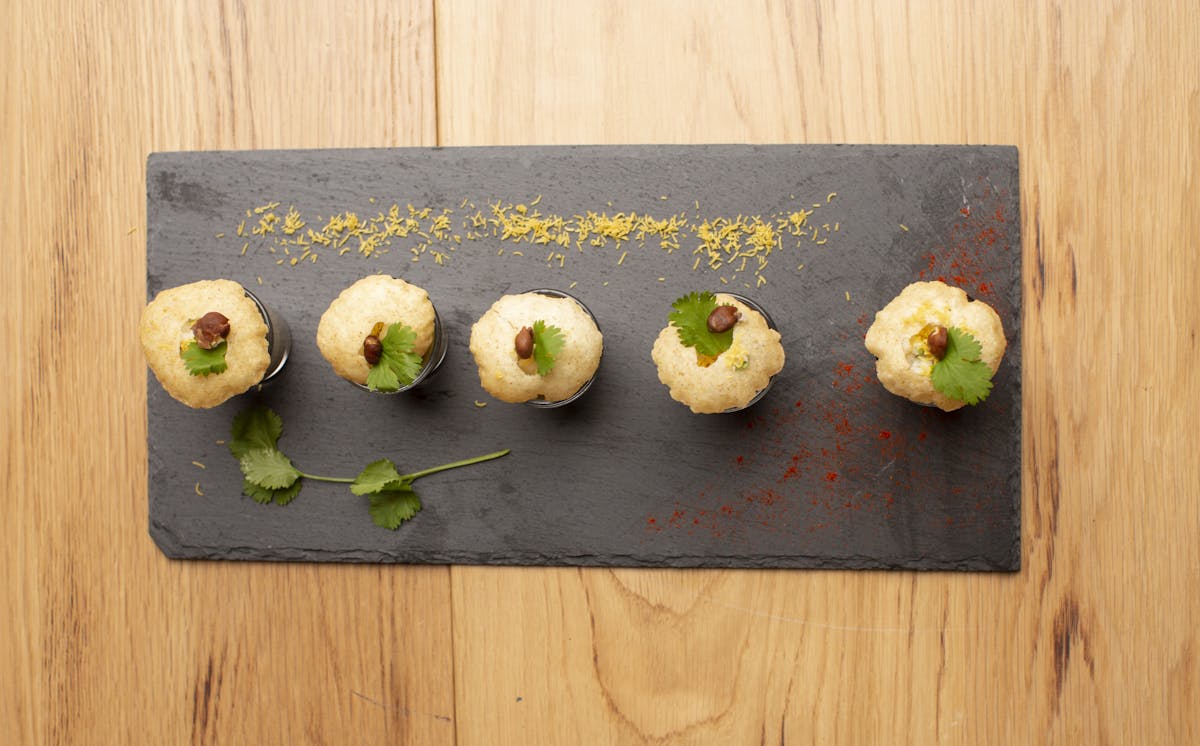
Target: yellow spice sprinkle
{"x": 662, "y": 279}
{"x": 721, "y": 240}
{"x": 292, "y": 221}
{"x": 259, "y": 279}
{"x": 847, "y": 295}
{"x": 220, "y": 235}
{"x": 573, "y": 284}
{"x": 199, "y": 465}
{"x": 761, "y": 281}
{"x": 131, "y": 231}
{"x": 293, "y": 261}
{"x": 244, "y": 247}
{"x": 480, "y": 404}
{"x": 904, "y": 227}
{"x": 266, "y": 224}
{"x": 199, "y": 491}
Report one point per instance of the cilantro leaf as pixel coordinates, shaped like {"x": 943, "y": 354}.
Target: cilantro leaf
{"x": 960, "y": 374}
{"x": 548, "y": 342}
{"x": 690, "y": 319}
{"x": 202, "y": 362}
{"x": 269, "y": 468}
{"x": 263, "y": 496}
{"x": 390, "y": 509}
{"x": 382, "y": 377}
{"x": 254, "y": 429}
{"x": 377, "y": 477}
{"x": 398, "y": 365}
{"x": 398, "y": 344}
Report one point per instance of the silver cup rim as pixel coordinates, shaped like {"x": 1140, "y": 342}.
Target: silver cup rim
{"x": 278, "y": 349}
{"x": 770, "y": 325}
{"x": 544, "y": 403}
{"x": 433, "y": 360}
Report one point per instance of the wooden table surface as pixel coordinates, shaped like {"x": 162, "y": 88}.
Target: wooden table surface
{"x": 103, "y": 640}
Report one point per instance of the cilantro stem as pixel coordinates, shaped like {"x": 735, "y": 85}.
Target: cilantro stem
{"x": 344, "y": 480}
{"x": 452, "y": 465}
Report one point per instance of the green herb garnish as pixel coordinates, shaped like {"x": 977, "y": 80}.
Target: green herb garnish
{"x": 961, "y": 374}
{"x": 690, "y": 319}
{"x": 202, "y": 362}
{"x": 548, "y": 342}
{"x": 393, "y": 500}
{"x": 398, "y": 365}
{"x": 270, "y": 476}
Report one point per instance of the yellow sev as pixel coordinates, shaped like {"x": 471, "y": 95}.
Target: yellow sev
{"x": 726, "y": 245}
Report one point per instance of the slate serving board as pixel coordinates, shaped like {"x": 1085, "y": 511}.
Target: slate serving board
{"x": 827, "y": 471}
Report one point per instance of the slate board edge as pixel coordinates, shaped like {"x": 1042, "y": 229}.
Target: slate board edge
{"x": 173, "y": 550}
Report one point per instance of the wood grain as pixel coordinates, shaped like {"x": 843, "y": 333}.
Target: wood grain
{"x": 102, "y": 640}
{"x": 1091, "y": 643}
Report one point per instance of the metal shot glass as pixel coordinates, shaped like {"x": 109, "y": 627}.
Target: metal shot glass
{"x": 542, "y": 403}
{"x": 433, "y": 359}
{"x": 771, "y": 325}
{"x": 279, "y": 338}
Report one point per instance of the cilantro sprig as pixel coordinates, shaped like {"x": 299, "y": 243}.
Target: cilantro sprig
{"x": 690, "y": 318}
{"x": 270, "y": 476}
{"x": 548, "y": 342}
{"x": 398, "y": 365}
{"x": 202, "y": 362}
{"x": 961, "y": 374}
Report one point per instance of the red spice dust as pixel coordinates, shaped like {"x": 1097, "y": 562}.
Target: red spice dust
{"x": 832, "y": 456}
{"x": 975, "y": 249}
